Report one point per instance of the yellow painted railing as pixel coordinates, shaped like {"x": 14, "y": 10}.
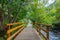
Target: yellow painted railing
{"x": 46, "y": 30}
{"x": 19, "y": 28}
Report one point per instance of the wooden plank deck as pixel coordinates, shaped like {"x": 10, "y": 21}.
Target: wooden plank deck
{"x": 28, "y": 33}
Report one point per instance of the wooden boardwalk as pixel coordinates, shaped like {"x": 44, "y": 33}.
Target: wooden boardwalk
{"x": 28, "y": 33}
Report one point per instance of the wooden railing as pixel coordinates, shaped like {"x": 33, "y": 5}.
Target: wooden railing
{"x": 19, "y": 28}
{"x": 46, "y": 30}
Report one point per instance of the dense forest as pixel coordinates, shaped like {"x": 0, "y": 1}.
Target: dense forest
{"x": 39, "y": 11}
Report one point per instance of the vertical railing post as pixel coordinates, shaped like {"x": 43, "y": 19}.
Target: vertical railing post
{"x": 9, "y": 33}
{"x": 38, "y": 27}
{"x": 47, "y": 32}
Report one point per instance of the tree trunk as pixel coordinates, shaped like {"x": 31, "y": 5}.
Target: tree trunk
{"x": 16, "y": 16}
{"x": 2, "y": 26}
{"x": 9, "y": 11}
{"x": 8, "y": 17}
{"x": 1, "y": 19}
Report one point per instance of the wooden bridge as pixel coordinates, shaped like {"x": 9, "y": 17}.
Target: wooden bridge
{"x": 27, "y": 33}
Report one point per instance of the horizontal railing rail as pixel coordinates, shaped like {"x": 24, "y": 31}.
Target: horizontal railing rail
{"x": 14, "y": 23}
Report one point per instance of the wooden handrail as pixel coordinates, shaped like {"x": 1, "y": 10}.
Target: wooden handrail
{"x": 18, "y": 28}
{"x": 44, "y": 30}
{"x": 42, "y": 35}
{"x": 9, "y": 31}
{"x": 15, "y": 34}
{"x": 15, "y": 23}
{"x": 38, "y": 28}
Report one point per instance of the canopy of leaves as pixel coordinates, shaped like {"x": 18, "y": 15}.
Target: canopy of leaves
{"x": 43, "y": 14}
{"x": 14, "y": 10}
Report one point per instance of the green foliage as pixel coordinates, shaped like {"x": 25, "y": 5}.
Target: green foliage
{"x": 41, "y": 14}
{"x": 14, "y": 7}
{"x": 38, "y": 12}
